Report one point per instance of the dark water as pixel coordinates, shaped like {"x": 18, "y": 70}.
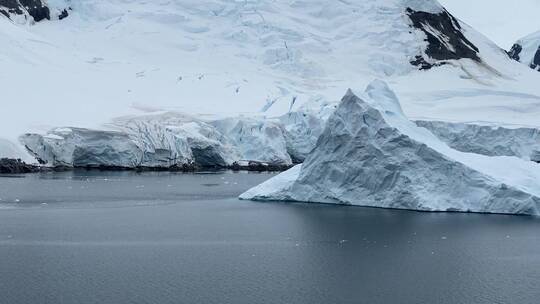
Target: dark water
{"x": 94, "y": 237}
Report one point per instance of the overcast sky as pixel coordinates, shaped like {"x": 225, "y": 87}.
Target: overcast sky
{"x": 501, "y": 20}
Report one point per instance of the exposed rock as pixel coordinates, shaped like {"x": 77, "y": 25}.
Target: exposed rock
{"x": 515, "y": 52}
{"x": 63, "y": 14}
{"x": 535, "y": 64}
{"x": 15, "y": 166}
{"x": 37, "y": 9}
{"x": 486, "y": 140}
{"x": 370, "y": 155}
{"x": 527, "y": 51}
{"x": 444, "y": 37}
{"x": 258, "y": 166}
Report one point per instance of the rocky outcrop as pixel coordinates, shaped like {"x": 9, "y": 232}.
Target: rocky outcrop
{"x": 15, "y": 166}
{"x": 36, "y": 9}
{"x": 370, "y": 155}
{"x": 444, "y": 37}
{"x": 515, "y": 52}
{"x": 527, "y": 51}
{"x": 486, "y": 140}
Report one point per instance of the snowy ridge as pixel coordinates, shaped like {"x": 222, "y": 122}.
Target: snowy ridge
{"x": 527, "y": 51}
{"x": 370, "y": 154}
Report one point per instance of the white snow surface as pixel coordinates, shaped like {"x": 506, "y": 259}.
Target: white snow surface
{"x": 371, "y": 154}
{"x": 215, "y": 59}
{"x": 499, "y": 20}
{"x": 530, "y": 45}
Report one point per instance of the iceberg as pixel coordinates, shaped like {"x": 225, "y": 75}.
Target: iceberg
{"x": 370, "y": 154}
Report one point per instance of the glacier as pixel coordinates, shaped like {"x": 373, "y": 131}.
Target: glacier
{"x": 371, "y": 154}
{"x": 167, "y": 140}
{"x": 488, "y": 140}
{"x": 173, "y": 139}
{"x": 76, "y": 147}
{"x": 274, "y": 57}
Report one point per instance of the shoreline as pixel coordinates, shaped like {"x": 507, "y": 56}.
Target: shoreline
{"x": 17, "y": 166}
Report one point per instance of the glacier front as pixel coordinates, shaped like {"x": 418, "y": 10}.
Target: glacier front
{"x": 370, "y": 154}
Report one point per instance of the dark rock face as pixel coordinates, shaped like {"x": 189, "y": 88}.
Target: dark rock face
{"x": 515, "y": 52}
{"x": 535, "y": 64}
{"x": 35, "y": 8}
{"x": 8, "y": 7}
{"x": 13, "y": 166}
{"x": 63, "y": 14}
{"x": 259, "y": 167}
{"x": 444, "y": 37}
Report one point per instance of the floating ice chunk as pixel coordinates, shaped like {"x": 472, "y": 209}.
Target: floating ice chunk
{"x": 370, "y": 154}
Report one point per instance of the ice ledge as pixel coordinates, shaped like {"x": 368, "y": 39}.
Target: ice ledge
{"x": 370, "y": 154}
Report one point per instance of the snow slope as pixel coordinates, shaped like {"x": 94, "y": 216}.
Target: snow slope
{"x": 370, "y": 154}
{"x": 499, "y": 20}
{"x": 215, "y": 59}
{"x": 527, "y": 51}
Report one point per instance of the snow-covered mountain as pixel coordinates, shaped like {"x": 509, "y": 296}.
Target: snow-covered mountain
{"x": 253, "y": 61}
{"x": 527, "y": 51}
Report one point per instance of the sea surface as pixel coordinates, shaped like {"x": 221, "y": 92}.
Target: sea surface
{"x": 127, "y": 237}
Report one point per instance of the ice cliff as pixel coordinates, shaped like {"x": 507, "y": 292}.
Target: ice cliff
{"x": 174, "y": 139}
